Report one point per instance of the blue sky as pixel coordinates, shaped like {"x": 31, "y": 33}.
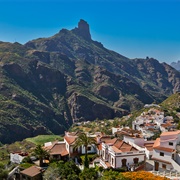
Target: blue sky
{"x": 134, "y": 28}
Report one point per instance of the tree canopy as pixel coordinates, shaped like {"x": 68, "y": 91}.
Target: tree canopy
{"x": 84, "y": 140}
{"x": 41, "y": 154}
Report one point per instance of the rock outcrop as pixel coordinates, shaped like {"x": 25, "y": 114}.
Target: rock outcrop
{"x": 83, "y": 30}
{"x": 48, "y": 83}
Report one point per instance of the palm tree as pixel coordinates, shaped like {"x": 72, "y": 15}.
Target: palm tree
{"x": 84, "y": 140}
{"x": 41, "y": 154}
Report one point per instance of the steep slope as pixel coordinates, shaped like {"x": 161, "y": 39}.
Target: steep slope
{"x": 48, "y": 83}
{"x": 32, "y": 102}
{"x": 172, "y": 103}
{"x": 158, "y": 80}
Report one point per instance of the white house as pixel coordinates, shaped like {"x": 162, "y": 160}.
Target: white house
{"x": 17, "y": 157}
{"x": 116, "y": 129}
{"x": 62, "y": 149}
{"x": 70, "y": 139}
{"x": 165, "y": 151}
{"x": 57, "y": 150}
{"x": 141, "y": 144}
{"x": 118, "y": 153}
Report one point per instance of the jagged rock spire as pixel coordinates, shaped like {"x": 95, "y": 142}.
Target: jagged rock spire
{"x": 83, "y": 30}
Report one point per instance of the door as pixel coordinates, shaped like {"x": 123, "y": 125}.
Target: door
{"x": 124, "y": 162}
{"x": 136, "y": 160}
{"x": 156, "y": 166}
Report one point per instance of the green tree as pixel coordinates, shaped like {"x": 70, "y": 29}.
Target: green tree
{"x": 84, "y": 140}
{"x": 3, "y": 172}
{"x": 52, "y": 172}
{"x": 41, "y": 154}
{"x": 88, "y": 174}
{"x": 112, "y": 175}
{"x": 61, "y": 170}
{"x": 115, "y": 123}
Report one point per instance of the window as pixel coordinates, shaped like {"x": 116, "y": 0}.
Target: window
{"x": 112, "y": 161}
{"x": 161, "y": 154}
{"x": 103, "y": 153}
{"x": 136, "y": 160}
{"x": 89, "y": 148}
{"x": 170, "y": 143}
{"x": 164, "y": 166}
{"x": 124, "y": 162}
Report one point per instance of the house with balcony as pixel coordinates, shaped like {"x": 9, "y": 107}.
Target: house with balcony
{"x": 140, "y": 143}
{"x": 63, "y": 150}
{"x": 166, "y": 154}
{"x": 118, "y": 153}
{"x": 70, "y": 139}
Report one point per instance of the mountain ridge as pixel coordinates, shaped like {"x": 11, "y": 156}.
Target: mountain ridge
{"x": 48, "y": 83}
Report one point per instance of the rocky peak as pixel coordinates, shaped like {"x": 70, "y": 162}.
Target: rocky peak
{"x": 83, "y": 30}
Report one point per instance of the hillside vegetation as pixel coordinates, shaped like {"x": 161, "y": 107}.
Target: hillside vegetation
{"x": 49, "y": 83}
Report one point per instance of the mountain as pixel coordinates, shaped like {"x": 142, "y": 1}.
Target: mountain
{"x": 176, "y": 65}
{"x": 48, "y": 83}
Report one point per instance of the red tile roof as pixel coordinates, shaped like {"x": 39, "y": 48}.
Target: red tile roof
{"x": 108, "y": 140}
{"x": 70, "y": 139}
{"x": 32, "y": 171}
{"x": 121, "y": 146}
{"x": 59, "y": 149}
{"x": 164, "y": 149}
{"x": 170, "y": 133}
{"x": 158, "y": 147}
{"x": 157, "y": 142}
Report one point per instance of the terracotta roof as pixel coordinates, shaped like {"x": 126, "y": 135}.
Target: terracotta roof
{"x": 59, "y": 149}
{"x": 157, "y": 146}
{"x": 164, "y": 149}
{"x": 118, "y": 143}
{"x": 108, "y": 140}
{"x": 130, "y": 131}
{"x": 32, "y": 171}
{"x": 156, "y": 159}
{"x": 121, "y": 146}
{"x": 170, "y": 133}
{"x": 70, "y": 139}
{"x": 115, "y": 149}
{"x": 157, "y": 142}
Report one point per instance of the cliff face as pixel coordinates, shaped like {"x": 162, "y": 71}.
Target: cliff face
{"x": 48, "y": 83}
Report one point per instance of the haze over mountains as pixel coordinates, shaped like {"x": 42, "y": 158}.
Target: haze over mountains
{"x": 176, "y": 65}
{"x": 48, "y": 83}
